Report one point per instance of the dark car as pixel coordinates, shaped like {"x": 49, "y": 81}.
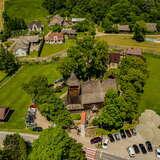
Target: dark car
{"x": 111, "y": 138}
{"x": 133, "y": 131}
{"x": 117, "y": 136}
{"x": 96, "y": 140}
{"x": 38, "y": 129}
{"x": 136, "y": 149}
{"x": 128, "y": 133}
{"x": 143, "y": 149}
{"x": 149, "y": 146}
{"x": 123, "y": 135}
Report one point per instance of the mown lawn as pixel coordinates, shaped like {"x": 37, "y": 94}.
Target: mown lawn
{"x": 2, "y": 75}
{"x": 13, "y": 96}
{"x": 151, "y": 97}
{"x": 120, "y": 40}
{"x": 28, "y": 9}
{"x": 50, "y": 49}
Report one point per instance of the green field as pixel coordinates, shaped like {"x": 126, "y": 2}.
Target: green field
{"x": 50, "y": 49}
{"x": 125, "y": 40}
{"x": 28, "y": 9}
{"x": 2, "y": 75}
{"x": 13, "y": 96}
{"x": 1, "y": 11}
{"x": 151, "y": 97}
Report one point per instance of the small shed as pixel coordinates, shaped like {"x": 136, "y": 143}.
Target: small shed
{"x": 123, "y": 28}
{"x": 4, "y": 111}
{"x": 151, "y": 27}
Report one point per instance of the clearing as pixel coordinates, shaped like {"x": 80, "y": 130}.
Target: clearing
{"x": 151, "y": 97}
{"x": 125, "y": 40}
{"x": 12, "y": 94}
{"x": 28, "y": 9}
{"x": 49, "y": 49}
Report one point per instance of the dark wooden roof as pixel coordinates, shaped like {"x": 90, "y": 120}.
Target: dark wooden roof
{"x": 3, "y": 113}
{"x": 114, "y": 57}
{"x": 73, "y": 80}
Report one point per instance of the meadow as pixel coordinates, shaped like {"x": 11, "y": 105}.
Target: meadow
{"x": 1, "y": 10}
{"x": 12, "y": 94}
{"x": 151, "y": 96}
{"x": 28, "y": 9}
{"x": 125, "y": 40}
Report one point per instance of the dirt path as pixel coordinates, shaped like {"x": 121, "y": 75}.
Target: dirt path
{"x": 1, "y": 11}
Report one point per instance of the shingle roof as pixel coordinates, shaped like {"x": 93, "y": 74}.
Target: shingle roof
{"x": 52, "y": 35}
{"x": 56, "y": 20}
{"x": 73, "y": 80}
{"x": 3, "y": 113}
{"x": 37, "y": 23}
{"x": 114, "y": 57}
{"x": 133, "y": 51}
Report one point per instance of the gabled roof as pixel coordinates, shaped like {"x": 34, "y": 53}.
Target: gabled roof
{"x": 3, "y": 113}
{"x": 52, "y": 35}
{"x": 133, "y": 51}
{"x": 73, "y": 80}
{"x": 151, "y": 27}
{"x": 56, "y": 20}
{"x": 37, "y": 23}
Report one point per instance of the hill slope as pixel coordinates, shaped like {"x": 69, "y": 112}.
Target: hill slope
{"x": 28, "y": 9}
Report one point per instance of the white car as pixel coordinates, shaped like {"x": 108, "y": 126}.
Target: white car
{"x": 131, "y": 151}
{"x": 105, "y": 143}
{"x": 158, "y": 152}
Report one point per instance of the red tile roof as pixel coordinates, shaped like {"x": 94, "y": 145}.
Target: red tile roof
{"x": 53, "y": 35}
{"x": 83, "y": 117}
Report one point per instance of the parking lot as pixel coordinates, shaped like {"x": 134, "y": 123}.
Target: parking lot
{"x": 119, "y": 148}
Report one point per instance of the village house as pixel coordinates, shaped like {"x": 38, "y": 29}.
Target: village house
{"x": 35, "y": 26}
{"x": 123, "y": 28}
{"x": 4, "y": 111}
{"x": 54, "y": 38}
{"x": 26, "y": 44}
{"x": 151, "y": 27}
{"x": 132, "y": 52}
{"x": 56, "y": 20}
{"x": 87, "y": 95}
{"x": 114, "y": 59}
{"x": 71, "y": 33}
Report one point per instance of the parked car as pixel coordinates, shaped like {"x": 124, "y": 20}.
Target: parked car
{"x": 96, "y": 140}
{"x": 149, "y": 146}
{"x": 37, "y": 129}
{"x": 128, "y": 133}
{"x": 143, "y": 149}
{"x": 133, "y": 131}
{"x": 158, "y": 153}
{"x": 131, "y": 151}
{"x": 123, "y": 135}
{"x": 117, "y": 136}
{"x": 111, "y": 138}
{"x": 136, "y": 149}
{"x": 105, "y": 143}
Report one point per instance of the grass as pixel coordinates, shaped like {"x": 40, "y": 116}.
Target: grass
{"x": 28, "y": 9}
{"x": 118, "y": 40}
{"x": 151, "y": 97}
{"x": 50, "y": 49}
{"x": 12, "y": 94}
{"x": 2, "y": 75}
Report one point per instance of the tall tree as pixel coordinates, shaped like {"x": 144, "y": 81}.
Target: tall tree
{"x": 88, "y": 58}
{"x": 15, "y": 147}
{"x": 55, "y": 144}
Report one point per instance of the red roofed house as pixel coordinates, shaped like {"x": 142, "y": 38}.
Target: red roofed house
{"x": 54, "y": 38}
{"x": 83, "y": 123}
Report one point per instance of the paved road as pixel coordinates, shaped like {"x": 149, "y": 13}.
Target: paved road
{"x": 27, "y": 137}
{"x": 106, "y": 156}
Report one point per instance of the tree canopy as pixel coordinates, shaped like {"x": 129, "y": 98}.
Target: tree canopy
{"x": 8, "y": 62}
{"x": 88, "y": 58}
{"x": 55, "y": 144}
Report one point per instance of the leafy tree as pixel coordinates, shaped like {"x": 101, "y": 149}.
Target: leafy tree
{"x": 56, "y": 28}
{"x": 107, "y": 25}
{"x": 139, "y": 31}
{"x": 8, "y": 62}
{"x": 37, "y": 88}
{"x": 55, "y": 144}
{"x": 110, "y": 117}
{"x": 14, "y": 148}
{"x": 55, "y": 111}
{"x": 88, "y": 58}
